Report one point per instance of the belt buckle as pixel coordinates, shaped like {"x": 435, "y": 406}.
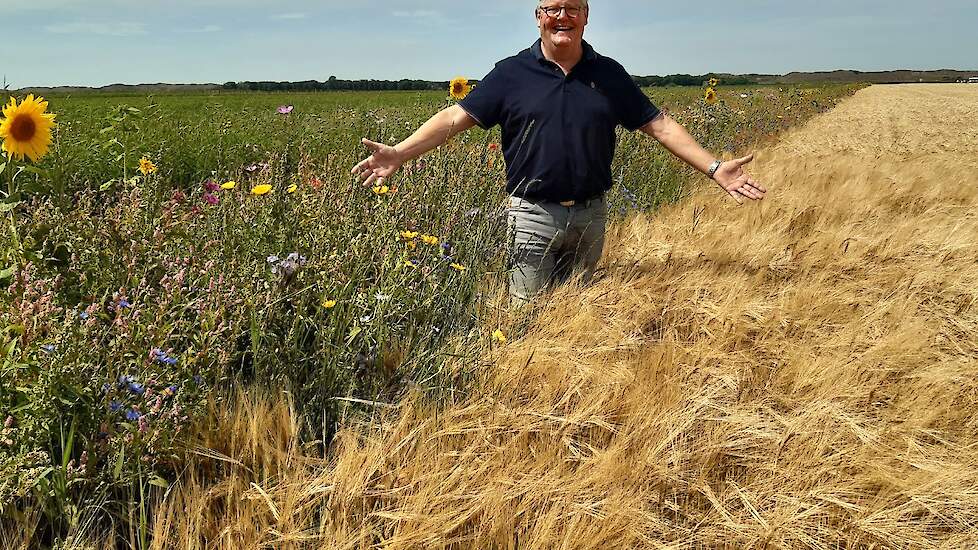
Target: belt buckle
{"x": 568, "y": 204}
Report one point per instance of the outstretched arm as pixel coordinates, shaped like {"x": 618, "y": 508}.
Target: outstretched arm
{"x": 730, "y": 176}
{"x": 385, "y": 160}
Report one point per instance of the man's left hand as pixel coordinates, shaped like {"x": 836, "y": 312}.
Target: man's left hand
{"x": 736, "y": 182}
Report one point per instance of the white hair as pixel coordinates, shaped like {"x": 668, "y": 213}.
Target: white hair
{"x": 583, "y": 3}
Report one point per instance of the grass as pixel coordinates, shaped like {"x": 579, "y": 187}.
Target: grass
{"x": 140, "y": 299}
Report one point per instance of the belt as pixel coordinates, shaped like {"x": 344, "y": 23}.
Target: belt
{"x": 586, "y": 203}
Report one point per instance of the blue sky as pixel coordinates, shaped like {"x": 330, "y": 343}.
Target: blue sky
{"x": 98, "y": 42}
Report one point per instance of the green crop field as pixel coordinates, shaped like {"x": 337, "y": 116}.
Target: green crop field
{"x": 134, "y": 301}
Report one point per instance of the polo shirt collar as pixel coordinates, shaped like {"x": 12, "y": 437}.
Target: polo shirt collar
{"x": 589, "y": 53}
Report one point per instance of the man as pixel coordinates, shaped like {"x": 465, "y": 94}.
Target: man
{"x": 558, "y": 103}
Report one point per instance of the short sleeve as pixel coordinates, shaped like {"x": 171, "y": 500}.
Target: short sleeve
{"x": 634, "y": 108}
{"x": 485, "y": 102}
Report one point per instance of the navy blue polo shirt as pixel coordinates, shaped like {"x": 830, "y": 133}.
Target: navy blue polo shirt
{"x": 558, "y": 132}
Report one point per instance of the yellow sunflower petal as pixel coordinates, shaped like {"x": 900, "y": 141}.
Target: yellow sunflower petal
{"x": 26, "y": 128}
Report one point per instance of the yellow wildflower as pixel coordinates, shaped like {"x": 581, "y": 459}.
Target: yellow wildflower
{"x": 26, "y": 128}
{"x": 498, "y": 336}
{"x": 229, "y": 185}
{"x": 381, "y": 190}
{"x": 292, "y": 188}
{"x": 459, "y": 88}
{"x": 714, "y": 82}
{"x": 409, "y": 235}
{"x": 711, "y": 96}
{"x": 409, "y": 263}
{"x": 458, "y": 267}
{"x": 429, "y": 239}
{"x": 329, "y": 304}
{"x": 146, "y": 166}
{"x": 261, "y": 189}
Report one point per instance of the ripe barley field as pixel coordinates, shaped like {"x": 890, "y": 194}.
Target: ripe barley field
{"x": 799, "y": 373}
{"x": 185, "y": 366}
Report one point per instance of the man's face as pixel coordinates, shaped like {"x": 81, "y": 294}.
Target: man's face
{"x": 561, "y": 29}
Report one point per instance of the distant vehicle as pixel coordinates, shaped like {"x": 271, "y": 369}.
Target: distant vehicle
{"x": 973, "y": 80}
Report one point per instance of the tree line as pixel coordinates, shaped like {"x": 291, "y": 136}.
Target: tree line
{"x": 334, "y": 83}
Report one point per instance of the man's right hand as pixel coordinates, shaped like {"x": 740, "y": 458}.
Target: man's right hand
{"x": 384, "y": 161}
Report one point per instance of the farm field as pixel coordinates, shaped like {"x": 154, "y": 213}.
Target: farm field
{"x": 798, "y": 373}
{"x": 163, "y": 330}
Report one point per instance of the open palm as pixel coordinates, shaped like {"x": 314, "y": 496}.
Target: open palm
{"x": 384, "y": 161}
{"x": 737, "y": 183}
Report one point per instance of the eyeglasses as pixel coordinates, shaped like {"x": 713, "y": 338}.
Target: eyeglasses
{"x": 554, "y": 11}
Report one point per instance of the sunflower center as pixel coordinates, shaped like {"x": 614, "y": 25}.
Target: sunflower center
{"x": 458, "y": 88}
{"x": 23, "y": 128}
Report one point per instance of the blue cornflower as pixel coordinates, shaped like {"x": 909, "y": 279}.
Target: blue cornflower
{"x": 105, "y": 388}
{"x": 199, "y": 380}
{"x": 83, "y": 315}
{"x": 132, "y": 414}
{"x": 136, "y": 388}
{"x": 48, "y": 348}
{"x": 114, "y": 406}
{"x": 124, "y": 380}
{"x": 169, "y": 360}
{"x": 124, "y": 303}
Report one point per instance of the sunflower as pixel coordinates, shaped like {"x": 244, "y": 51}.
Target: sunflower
{"x": 26, "y": 128}
{"x": 711, "y": 96}
{"x": 146, "y": 166}
{"x": 714, "y": 82}
{"x": 459, "y": 88}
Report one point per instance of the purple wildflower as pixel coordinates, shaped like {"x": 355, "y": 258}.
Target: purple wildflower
{"x": 211, "y": 187}
{"x": 285, "y": 109}
{"x": 210, "y": 198}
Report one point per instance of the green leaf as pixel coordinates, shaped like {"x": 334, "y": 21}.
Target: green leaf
{"x": 105, "y": 186}
{"x": 8, "y": 272}
{"x": 354, "y": 332}
{"x": 159, "y": 482}
{"x": 35, "y": 170}
{"x": 7, "y": 207}
{"x": 120, "y": 459}
{"x": 133, "y": 110}
{"x": 2, "y": 166}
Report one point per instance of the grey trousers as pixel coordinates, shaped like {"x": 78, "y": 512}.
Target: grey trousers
{"x": 550, "y": 242}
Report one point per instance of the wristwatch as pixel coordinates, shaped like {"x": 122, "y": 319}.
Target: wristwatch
{"x": 714, "y": 167}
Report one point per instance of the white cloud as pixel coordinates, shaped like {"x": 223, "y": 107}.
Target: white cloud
{"x": 122, "y": 28}
{"x": 289, "y": 16}
{"x": 205, "y": 28}
{"x": 417, "y": 14}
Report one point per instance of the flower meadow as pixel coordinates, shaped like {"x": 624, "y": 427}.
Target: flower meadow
{"x": 162, "y": 251}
